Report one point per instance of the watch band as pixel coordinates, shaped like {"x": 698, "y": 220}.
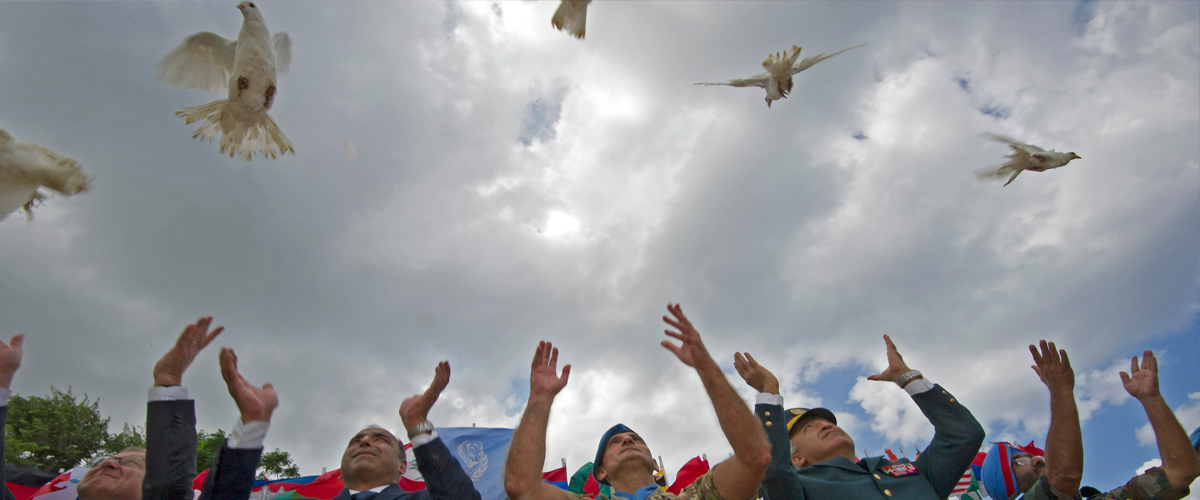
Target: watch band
{"x": 421, "y": 428}
{"x": 907, "y": 377}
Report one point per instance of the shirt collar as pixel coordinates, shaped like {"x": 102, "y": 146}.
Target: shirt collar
{"x": 377, "y": 489}
{"x": 641, "y": 494}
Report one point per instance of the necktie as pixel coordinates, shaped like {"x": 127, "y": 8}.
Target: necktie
{"x": 364, "y": 495}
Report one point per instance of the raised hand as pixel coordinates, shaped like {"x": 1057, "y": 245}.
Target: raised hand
{"x": 692, "y": 351}
{"x": 758, "y": 377}
{"x": 1141, "y": 383}
{"x": 896, "y": 365}
{"x": 10, "y": 359}
{"x": 414, "y": 410}
{"x": 1053, "y": 367}
{"x": 169, "y": 370}
{"x": 544, "y": 380}
{"x": 254, "y": 403}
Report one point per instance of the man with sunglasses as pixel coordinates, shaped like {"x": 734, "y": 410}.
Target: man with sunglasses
{"x": 164, "y": 470}
{"x": 1010, "y": 472}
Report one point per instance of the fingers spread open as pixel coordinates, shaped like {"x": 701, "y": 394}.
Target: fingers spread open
{"x": 17, "y": 341}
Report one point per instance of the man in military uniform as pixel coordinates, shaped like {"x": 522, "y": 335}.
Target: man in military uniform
{"x": 623, "y": 461}
{"x": 1034, "y": 478}
{"x": 822, "y": 463}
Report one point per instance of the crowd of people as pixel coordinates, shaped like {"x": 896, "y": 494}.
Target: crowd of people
{"x": 778, "y": 453}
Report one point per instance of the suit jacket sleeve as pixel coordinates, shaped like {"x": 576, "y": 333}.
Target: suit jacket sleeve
{"x": 5, "y": 495}
{"x": 445, "y": 478}
{"x": 781, "y": 482}
{"x": 956, "y": 439}
{"x": 170, "y": 450}
{"x": 231, "y": 476}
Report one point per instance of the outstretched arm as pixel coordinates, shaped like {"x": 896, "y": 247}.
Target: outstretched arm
{"x": 1179, "y": 459}
{"x": 232, "y": 475}
{"x": 10, "y": 360}
{"x": 171, "y": 418}
{"x": 957, "y": 435}
{"x": 527, "y": 453}
{"x": 737, "y": 478}
{"x": 1064, "y": 442}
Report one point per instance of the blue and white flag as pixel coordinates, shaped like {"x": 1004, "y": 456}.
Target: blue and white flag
{"x": 481, "y": 452}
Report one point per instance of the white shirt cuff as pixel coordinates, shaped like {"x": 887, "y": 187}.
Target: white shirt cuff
{"x": 4, "y": 394}
{"x": 918, "y": 386}
{"x": 168, "y": 393}
{"x": 422, "y": 439}
{"x": 248, "y": 436}
{"x": 768, "y": 399}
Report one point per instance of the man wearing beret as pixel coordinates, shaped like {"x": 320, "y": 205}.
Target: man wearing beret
{"x": 623, "y": 461}
{"x": 822, "y": 463}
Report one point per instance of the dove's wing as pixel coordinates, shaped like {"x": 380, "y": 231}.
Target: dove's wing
{"x": 759, "y": 80}
{"x": 283, "y": 52}
{"x": 809, "y": 61}
{"x": 203, "y": 61}
{"x": 571, "y": 14}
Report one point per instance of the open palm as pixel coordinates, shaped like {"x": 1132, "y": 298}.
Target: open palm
{"x": 1142, "y": 382}
{"x": 543, "y": 375}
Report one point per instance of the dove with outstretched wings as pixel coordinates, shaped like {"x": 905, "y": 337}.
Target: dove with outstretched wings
{"x": 780, "y": 66}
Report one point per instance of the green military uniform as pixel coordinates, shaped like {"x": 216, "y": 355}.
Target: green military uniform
{"x": 701, "y": 489}
{"x": 932, "y": 476}
{"x": 1152, "y": 484}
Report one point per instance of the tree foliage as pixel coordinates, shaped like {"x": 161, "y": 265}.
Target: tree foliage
{"x": 277, "y": 465}
{"x": 56, "y": 432}
{"x": 53, "y": 433}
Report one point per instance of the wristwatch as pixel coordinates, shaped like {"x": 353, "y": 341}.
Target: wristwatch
{"x": 425, "y": 427}
{"x": 907, "y": 377}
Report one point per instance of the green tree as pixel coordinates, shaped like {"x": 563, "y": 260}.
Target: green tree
{"x": 208, "y": 444}
{"x": 53, "y": 433}
{"x": 130, "y": 435}
{"x": 277, "y": 465}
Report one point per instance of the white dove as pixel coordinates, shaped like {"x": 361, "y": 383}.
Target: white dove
{"x": 571, "y": 14}
{"x": 780, "y": 67}
{"x": 1024, "y": 157}
{"x": 247, "y": 69}
{"x": 25, "y": 167}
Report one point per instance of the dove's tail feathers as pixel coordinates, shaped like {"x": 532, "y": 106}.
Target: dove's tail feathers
{"x": 238, "y": 137}
{"x": 55, "y": 171}
{"x": 1014, "y": 176}
{"x": 572, "y": 16}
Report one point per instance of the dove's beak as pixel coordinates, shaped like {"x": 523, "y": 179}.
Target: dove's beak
{"x": 240, "y": 6}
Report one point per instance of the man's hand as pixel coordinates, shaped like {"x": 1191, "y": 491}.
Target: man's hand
{"x": 1139, "y": 383}
{"x": 896, "y": 365}
{"x": 692, "y": 351}
{"x": 414, "y": 410}
{"x": 758, "y": 377}
{"x": 169, "y": 370}
{"x": 1053, "y": 367}
{"x": 10, "y": 359}
{"x": 255, "y": 403}
{"x": 544, "y": 381}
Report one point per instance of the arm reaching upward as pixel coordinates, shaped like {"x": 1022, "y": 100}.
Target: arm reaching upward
{"x": 527, "y": 453}
{"x": 1064, "y": 441}
{"x": 1179, "y": 460}
{"x": 739, "y": 477}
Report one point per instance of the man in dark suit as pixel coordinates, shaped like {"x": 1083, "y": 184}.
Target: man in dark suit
{"x": 165, "y": 469}
{"x": 813, "y": 458}
{"x": 373, "y": 461}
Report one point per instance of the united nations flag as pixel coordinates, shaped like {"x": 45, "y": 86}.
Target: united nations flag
{"x": 480, "y": 451}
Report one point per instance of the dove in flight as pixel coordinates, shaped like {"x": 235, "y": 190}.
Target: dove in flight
{"x": 25, "y": 167}
{"x": 245, "y": 69}
{"x": 1024, "y": 157}
{"x": 780, "y": 66}
{"x": 572, "y": 15}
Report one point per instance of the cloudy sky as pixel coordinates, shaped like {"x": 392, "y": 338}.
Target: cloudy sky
{"x": 514, "y": 184}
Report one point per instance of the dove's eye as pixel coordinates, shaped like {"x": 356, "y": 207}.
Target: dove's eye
{"x": 252, "y": 5}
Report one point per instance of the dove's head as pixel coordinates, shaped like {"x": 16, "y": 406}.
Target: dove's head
{"x": 249, "y": 10}
{"x": 1075, "y": 156}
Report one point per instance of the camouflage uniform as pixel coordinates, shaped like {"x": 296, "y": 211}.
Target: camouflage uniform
{"x": 701, "y": 489}
{"x": 1152, "y": 485}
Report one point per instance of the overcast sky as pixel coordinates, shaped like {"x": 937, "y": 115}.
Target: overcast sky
{"x": 515, "y": 184}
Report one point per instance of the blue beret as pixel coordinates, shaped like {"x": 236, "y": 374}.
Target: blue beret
{"x": 612, "y": 431}
{"x": 1196, "y": 438}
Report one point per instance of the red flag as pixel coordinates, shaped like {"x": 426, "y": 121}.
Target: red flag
{"x": 891, "y": 456}
{"x": 689, "y": 473}
{"x": 1032, "y": 450}
{"x": 591, "y": 488}
{"x": 51, "y": 486}
{"x": 558, "y": 475}
{"x": 198, "y": 483}
{"x": 324, "y": 487}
